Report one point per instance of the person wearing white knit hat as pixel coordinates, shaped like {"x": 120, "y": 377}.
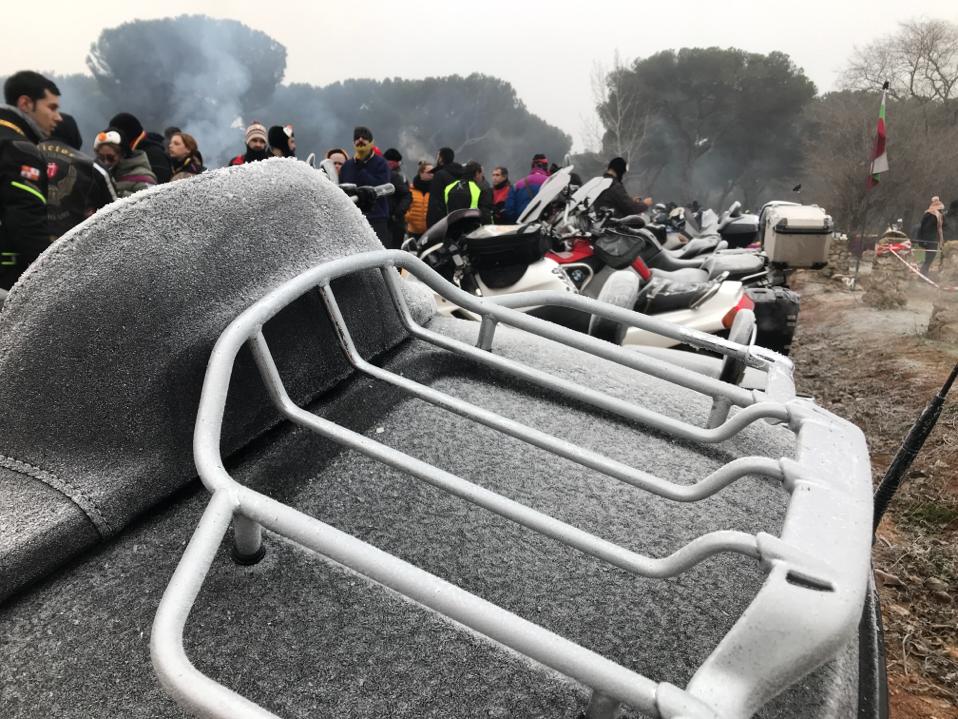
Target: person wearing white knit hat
{"x": 255, "y": 145}
{"x": 931, "y": 232}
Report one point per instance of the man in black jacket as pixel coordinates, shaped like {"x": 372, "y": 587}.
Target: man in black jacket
{"x": 616, "y": 197}
{"x": 446, "y": 172}
{"x": 367, "y": 169}
{"x": 401, "y": 198}
{"x": 132, "y": 128}
{"x": 31, "y": 112}
{"x": 78, "y": 186}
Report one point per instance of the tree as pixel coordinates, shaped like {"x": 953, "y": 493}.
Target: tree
{"x": 764, "y": 148}
{"x": 192, "y": 71}
{"x": 623, "y": 121}
{"x": 212, "y": 77}
{"x": 920, "y": 61}
{"x": 707, "y": 118}
{"x": 840, "y": 132}
{"x": 478, "y": 116}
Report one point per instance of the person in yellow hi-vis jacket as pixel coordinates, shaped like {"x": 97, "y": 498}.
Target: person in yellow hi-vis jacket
{"x": 31, "y": 112}
{"x": 470, "y": 191}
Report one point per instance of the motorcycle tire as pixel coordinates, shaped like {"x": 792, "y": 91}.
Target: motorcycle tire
{"x": 743, "y": 327}
{"x": 620, "y": 290}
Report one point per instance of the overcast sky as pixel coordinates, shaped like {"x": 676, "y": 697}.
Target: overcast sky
{"x": 545, "y": 49}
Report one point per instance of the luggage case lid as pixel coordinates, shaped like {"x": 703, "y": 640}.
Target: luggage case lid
{"x": 799, "y": 219}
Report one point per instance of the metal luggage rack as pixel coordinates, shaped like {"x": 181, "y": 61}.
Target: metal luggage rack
{"x": 817, "y": 571}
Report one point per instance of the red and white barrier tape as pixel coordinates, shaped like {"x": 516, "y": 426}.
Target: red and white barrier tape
{"x": 914, "y": 269}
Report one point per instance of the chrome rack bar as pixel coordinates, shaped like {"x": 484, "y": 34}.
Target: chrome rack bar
{"x": 760, "y": 547}
{"x": 687, "y": 493}
{"x": 828, "y": 488}
{"x": 687, "y": 378}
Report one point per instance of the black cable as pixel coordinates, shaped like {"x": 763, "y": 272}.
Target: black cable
{"x": 909, "y": 449}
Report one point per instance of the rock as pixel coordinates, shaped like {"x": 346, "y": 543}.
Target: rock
{"x": 888, "y": 580}
{"x": 899, "y": 610}
{"x": 935, "y": 584}
{"x": 943, "y": 323}
{"x": 887, "y": 285}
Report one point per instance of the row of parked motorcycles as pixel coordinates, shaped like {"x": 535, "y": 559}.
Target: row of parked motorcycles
{"x": 696, "y": 269}
{"x": 691, "y": 267}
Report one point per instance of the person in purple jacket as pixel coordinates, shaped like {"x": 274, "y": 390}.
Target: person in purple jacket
{"x": 368, "y": 168}
{"x": 526, "y": 188}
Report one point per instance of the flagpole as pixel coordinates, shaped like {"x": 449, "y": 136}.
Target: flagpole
{"x": 878, "y": 165}
{"x": 861, "y": 247}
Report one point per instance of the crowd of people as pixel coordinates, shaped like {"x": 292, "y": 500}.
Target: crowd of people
{"x": 48, "y": 185}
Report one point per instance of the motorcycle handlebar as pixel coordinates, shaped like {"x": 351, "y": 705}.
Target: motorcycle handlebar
{"x": 729, "y": 214}
{"x": 383, "y": 190}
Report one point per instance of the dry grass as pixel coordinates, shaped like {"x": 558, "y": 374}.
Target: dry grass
{"x": 864, "y": 365}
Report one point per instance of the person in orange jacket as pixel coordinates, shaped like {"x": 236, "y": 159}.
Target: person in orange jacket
{"x": 416, "y": 214}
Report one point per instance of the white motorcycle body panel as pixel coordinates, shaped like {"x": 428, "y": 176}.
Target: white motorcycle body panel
{"x": 543, "y": 275}
{"x": 707, "y": 317}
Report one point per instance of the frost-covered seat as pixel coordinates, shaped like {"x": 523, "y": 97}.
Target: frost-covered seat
{"x": 104, "y": 341}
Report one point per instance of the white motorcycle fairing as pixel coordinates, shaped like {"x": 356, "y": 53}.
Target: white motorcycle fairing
{"x": 707, "y": 317}
{"x": 545, "y": 274}
{"x": 548, "y": 192}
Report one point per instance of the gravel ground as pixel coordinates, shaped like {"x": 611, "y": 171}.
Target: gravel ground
{"x": 877, "y": 369}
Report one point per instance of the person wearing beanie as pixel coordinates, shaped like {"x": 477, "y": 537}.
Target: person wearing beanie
{"x": 446, "y": 171}
{"x": 931, "y": 232}
{"x": 130, "y": 169}
{"x": 140, "y": 139}
{"x": 67, "y": 132}
{"x": 256, "y": 142}
{"x": 78, "y": 186}
{"x": 616, "y": 197}
{"x": 527, "y": 188}
{"x": 400, "y": 200}
{"x": 471, "y": 191}
{"x": 30, "y": 113}
{"x": 366, "y": 168}
{"x": 282, "y": 142}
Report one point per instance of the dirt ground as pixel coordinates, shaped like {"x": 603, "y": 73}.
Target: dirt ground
{"x": 877, "y": 369}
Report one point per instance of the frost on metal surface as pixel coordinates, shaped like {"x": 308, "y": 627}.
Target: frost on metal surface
{"x": 816, "y": 569}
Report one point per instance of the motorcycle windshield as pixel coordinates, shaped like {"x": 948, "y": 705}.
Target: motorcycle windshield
{"x": 548, "y": 192}
{"x": 589, "y": 192}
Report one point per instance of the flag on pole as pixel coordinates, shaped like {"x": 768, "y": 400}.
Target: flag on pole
{"x": 880, "y": 155}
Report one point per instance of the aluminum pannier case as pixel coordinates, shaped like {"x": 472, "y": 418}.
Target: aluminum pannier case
{"x": 796, "y": 235}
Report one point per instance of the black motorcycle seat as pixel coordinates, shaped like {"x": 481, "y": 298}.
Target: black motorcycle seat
{"x": 686, "y": 275}
{"x": 660, "y": 296}
{"x": 437, "y": 233}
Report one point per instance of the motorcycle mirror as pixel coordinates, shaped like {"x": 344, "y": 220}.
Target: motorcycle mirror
{"x": 328, "y": 167}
